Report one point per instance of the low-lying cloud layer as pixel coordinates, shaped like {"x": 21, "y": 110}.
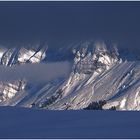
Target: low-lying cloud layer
{"x": 35, "y": 72}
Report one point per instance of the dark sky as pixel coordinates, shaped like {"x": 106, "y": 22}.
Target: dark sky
{"x": 70, "y": 20}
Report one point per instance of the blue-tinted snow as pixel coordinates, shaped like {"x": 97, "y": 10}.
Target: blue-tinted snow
{"x": 30, "y": 123}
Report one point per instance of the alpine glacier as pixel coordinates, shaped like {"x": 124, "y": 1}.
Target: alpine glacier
{"x": 98, "y": 73}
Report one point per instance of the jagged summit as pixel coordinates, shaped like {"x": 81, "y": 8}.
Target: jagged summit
{"x": 20, "y": 55}
{"x": 100, "y": 56}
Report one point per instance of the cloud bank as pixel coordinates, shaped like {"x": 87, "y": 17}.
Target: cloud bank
{"x": 35, "y": 72}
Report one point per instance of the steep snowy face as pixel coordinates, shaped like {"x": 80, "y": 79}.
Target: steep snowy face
{"x": 98, "y": 73}
{"x": 126, "y": 83}
{"x": 99, "y": 58}
{"x": 18, "y": 56}
{"x": 30, "y": 56}
{"x": 22, "y": 55}
{"x": 9, "y": 90}
{"x": 90, "y": 62}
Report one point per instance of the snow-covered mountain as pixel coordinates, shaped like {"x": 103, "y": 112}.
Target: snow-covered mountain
{"x": 98, "y": 73}
{"x": 18, "y": 56}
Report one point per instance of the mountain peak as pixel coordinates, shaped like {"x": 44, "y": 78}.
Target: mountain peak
{"x": 93, "y": 56}
{"x": 13, "y": 56}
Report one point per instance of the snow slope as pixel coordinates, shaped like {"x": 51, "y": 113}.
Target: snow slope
{"x": 98, "y": 73}
{"x": 30, "y": 123}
